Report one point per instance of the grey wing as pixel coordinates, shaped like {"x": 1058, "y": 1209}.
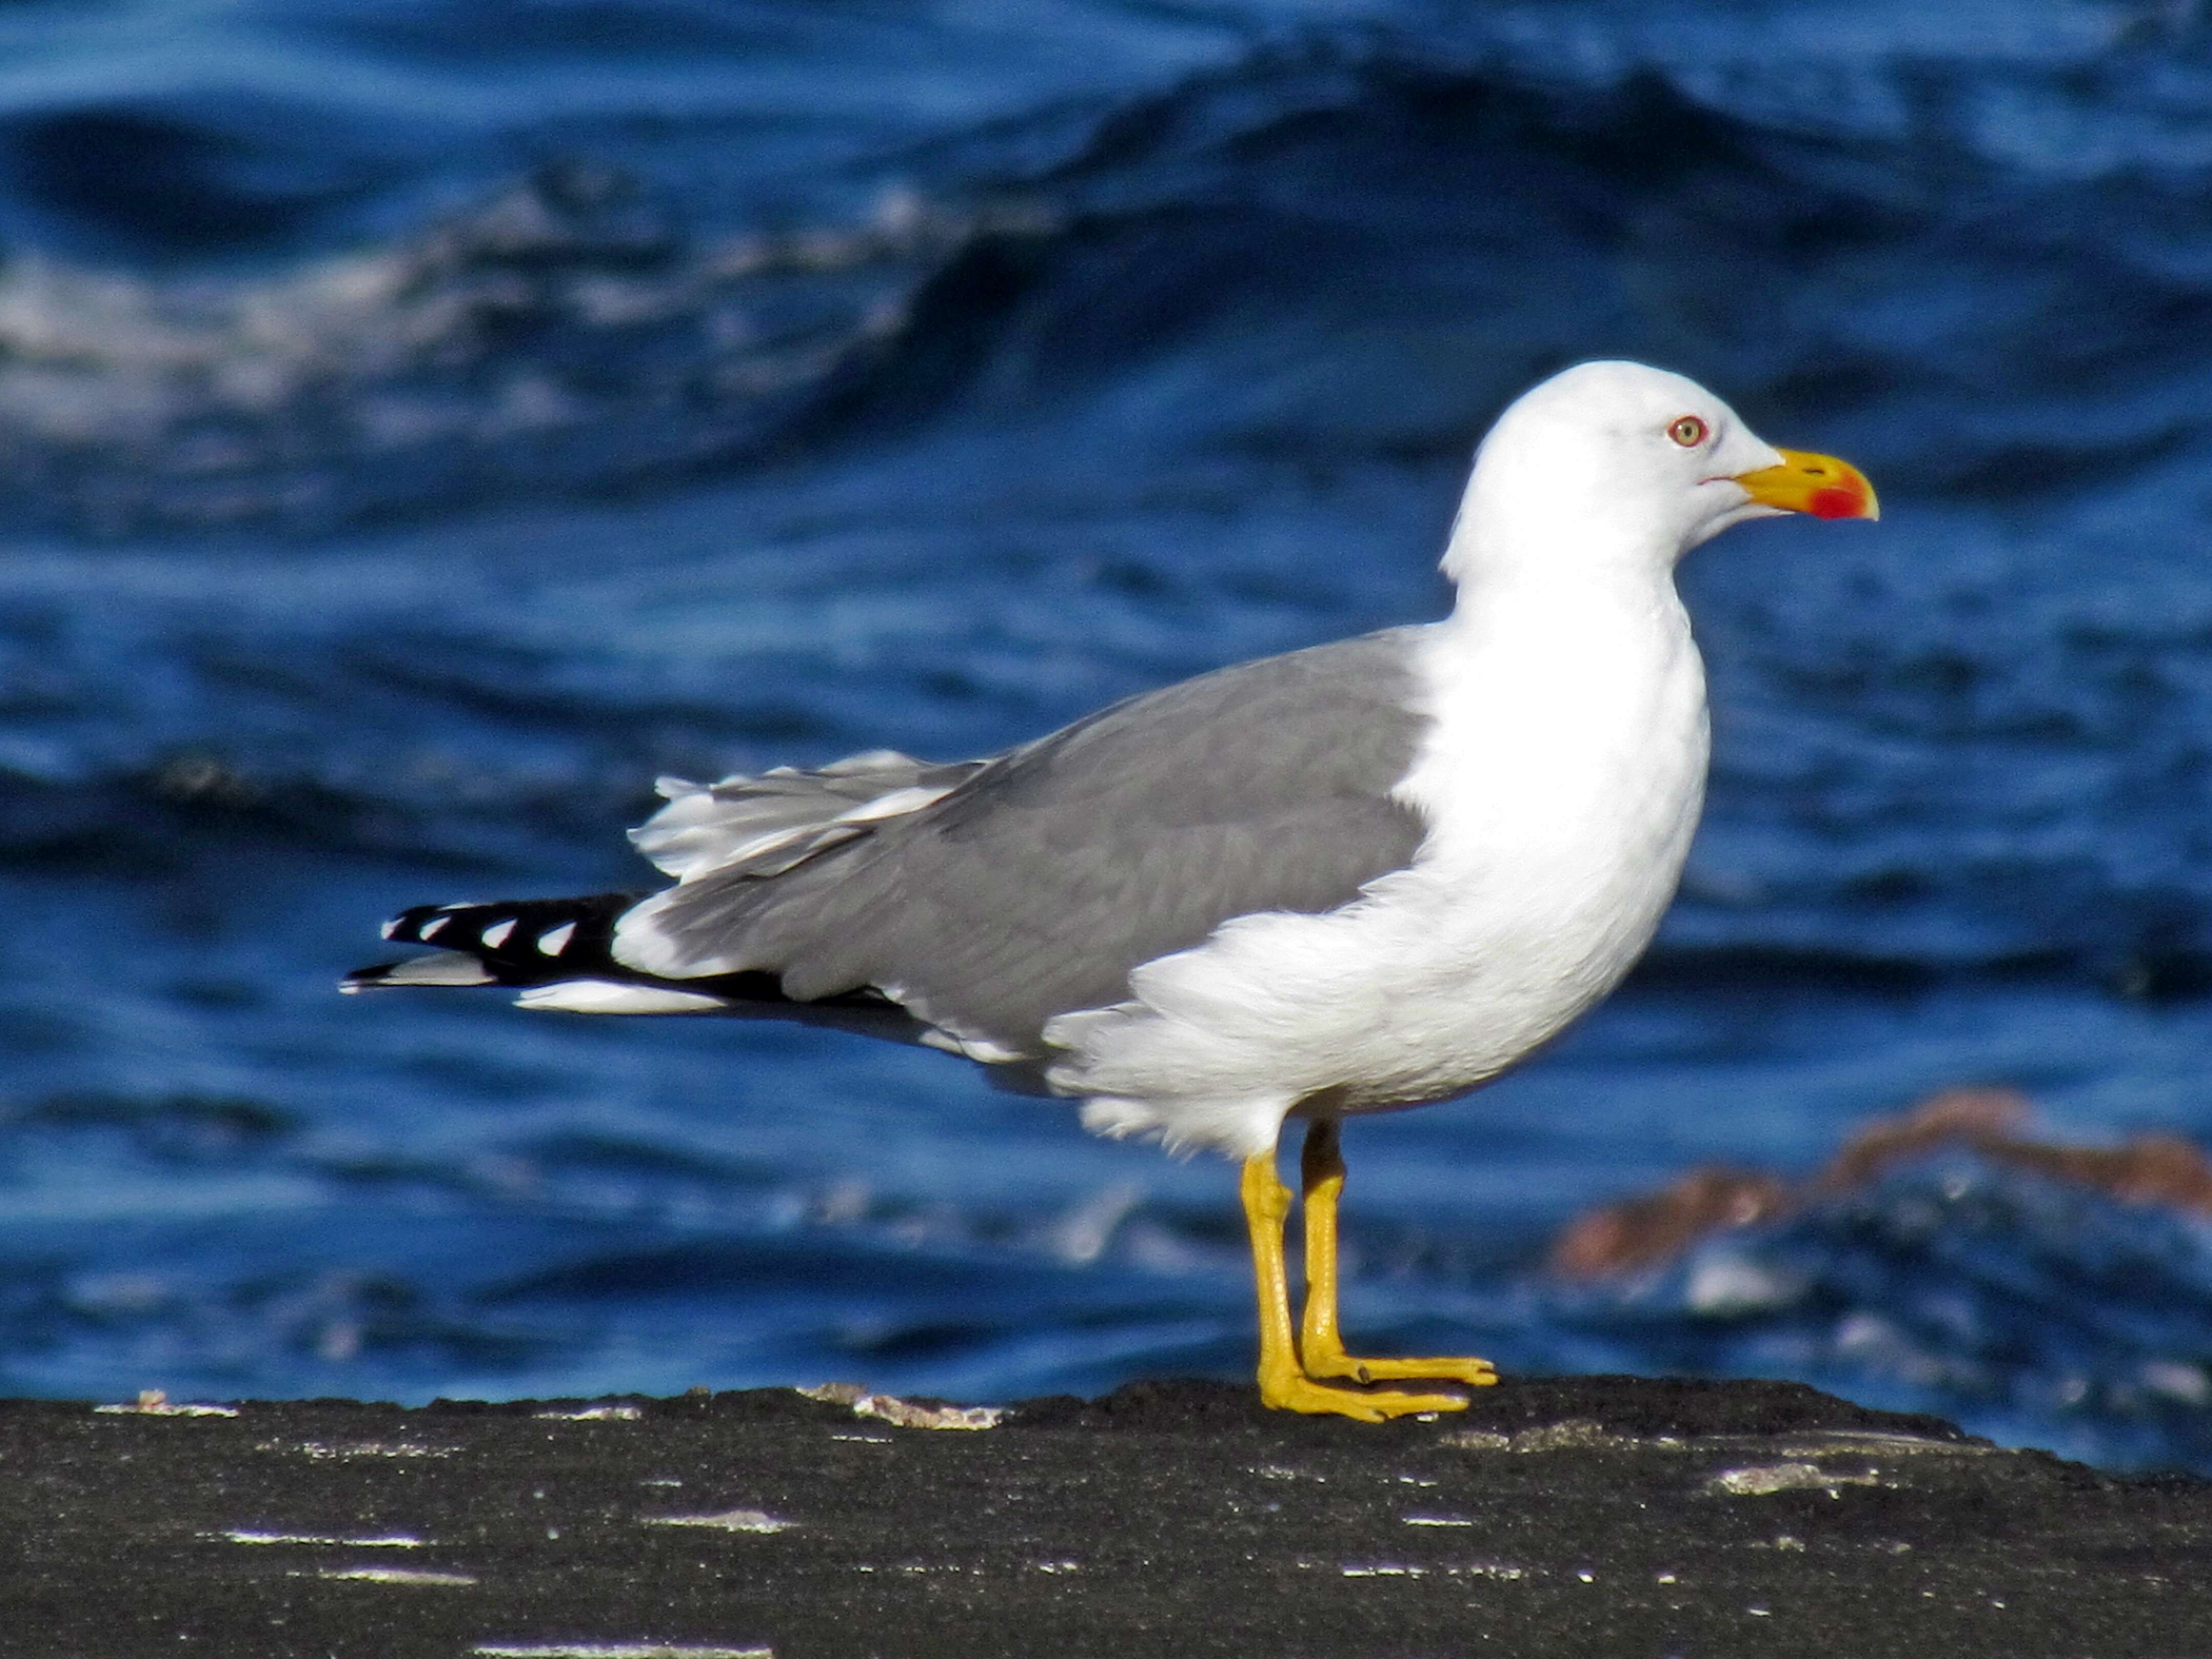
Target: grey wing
{"x": 1033, "y": 887}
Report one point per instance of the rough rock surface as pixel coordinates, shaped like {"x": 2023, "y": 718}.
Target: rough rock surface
{"x": 1582, "y": 1516}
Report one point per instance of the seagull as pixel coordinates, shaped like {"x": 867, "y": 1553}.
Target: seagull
{"x": 1365, "y": 876}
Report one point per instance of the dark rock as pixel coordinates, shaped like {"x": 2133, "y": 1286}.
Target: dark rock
{"x": 1571, "y": 1516}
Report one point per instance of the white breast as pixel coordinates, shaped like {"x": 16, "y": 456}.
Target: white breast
{"x": 1561, "y": 782}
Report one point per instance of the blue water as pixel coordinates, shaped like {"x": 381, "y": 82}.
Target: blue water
{"x": 422, "y": 422}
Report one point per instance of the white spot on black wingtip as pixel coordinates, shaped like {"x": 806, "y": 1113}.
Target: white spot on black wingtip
{"x": 495, "y": 935}
{"x": 431, "y": 932}
{"x": 390, "y": 929}
{"x": 552, "y": 942}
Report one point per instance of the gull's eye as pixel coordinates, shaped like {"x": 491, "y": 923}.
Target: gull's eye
{"x": 1689, "y": 432}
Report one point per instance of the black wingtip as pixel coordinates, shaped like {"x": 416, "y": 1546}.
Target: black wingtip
{"x": 517, "y": 942}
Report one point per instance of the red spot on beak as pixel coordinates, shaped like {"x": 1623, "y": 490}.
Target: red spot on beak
{"x": 1836, "y": 503}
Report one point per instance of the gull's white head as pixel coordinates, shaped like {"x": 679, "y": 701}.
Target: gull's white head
{"x": 1609, "y": 464}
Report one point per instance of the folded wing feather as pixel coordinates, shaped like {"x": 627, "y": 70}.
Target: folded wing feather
{"x": 988, "y": 897}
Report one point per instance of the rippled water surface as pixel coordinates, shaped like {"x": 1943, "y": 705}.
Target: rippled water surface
{"x": 421, "y": 424}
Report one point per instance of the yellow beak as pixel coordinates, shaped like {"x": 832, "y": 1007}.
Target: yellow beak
{"x": 1818, "y": 484}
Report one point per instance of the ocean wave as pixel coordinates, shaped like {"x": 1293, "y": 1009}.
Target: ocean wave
{"x": 564, "y": 334}
{"x": 1995, "y": 1296}
{"x": 1859, "y": 238}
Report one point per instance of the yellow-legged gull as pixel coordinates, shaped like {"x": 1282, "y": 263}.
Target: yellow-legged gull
{"x": 1361, "y": 877}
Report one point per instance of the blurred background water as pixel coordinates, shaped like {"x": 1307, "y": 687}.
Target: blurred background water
{"x": 421, "y": 422}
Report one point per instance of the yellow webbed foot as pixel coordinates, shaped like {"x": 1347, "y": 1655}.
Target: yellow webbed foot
{"x": 1475, "y": 1373}
{"x": 1299, "y": 1392}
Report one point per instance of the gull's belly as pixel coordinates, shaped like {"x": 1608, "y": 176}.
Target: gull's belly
{"x": 1472, "y": 981}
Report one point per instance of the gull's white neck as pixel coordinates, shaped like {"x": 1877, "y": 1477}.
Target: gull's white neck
{"x": 1567, "y": 662}
{"x": 1517, "y": 524}
{"x": 1556, "y": 703}
{"x": 1567, "y": 625}
{"x": 1562, "y": 775}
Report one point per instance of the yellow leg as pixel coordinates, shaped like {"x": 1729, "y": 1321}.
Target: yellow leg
{"x": 1321, "y": 1345}
{"x": 1283, "y": 1385}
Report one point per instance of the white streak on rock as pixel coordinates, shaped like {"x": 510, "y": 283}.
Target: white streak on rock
{"x": 592, "y": 1414}
{"x": 321, "y": 1450}
{"x": 904, "y": 1413}
{"x": 1769, "y": 1478}
{"x": 397, "y": 1576}
{"x": 727, "y": 1520}
{"x": 153, "y": 1402}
